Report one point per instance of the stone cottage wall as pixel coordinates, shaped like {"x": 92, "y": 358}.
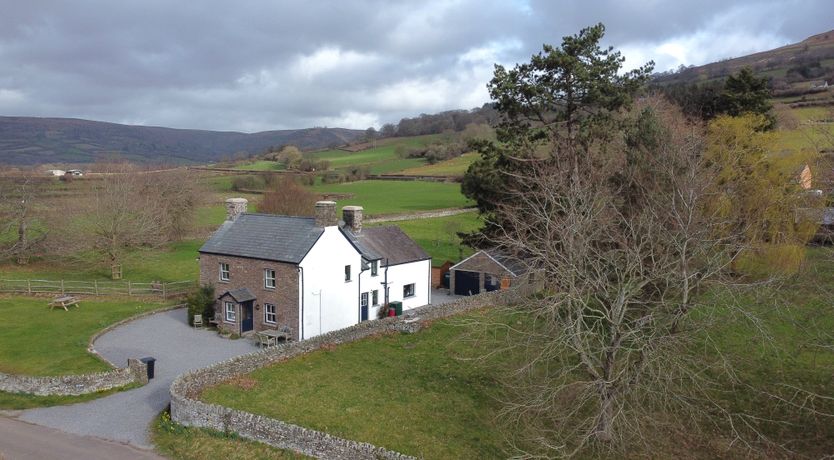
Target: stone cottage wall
{"x": 249, "y": 273}
{"x": 187, "y": 409}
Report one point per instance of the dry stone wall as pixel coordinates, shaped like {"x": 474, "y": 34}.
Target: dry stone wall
{"x": 187, "y": 409}
{"x": 74, "y": 385}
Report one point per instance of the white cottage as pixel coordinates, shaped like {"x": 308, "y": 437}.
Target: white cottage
{"x": 309, "y": 275}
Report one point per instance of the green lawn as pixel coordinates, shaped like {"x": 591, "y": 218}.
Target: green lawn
{"x": 438, "y": 235}
{"x": 35, "y": 340}
{"x": 408, "y": 393}
{"x": 454, "y": 167}
{"x": 174, "y": 262}
{"x": 395, "y": 197}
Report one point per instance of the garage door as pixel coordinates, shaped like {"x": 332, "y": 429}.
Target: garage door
{"x": 467, "y": 283}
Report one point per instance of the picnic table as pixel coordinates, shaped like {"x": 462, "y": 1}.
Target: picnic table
{"x": 270, "y": 337}
{"x": 64, "y": 302}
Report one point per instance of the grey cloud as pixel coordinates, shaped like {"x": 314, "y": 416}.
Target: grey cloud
{"x": 234, "y": 65}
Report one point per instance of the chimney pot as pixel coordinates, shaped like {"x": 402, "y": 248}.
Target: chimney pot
{"x": 352, "y": 215}
{"x": 235, "y": 207}
{"x": 326, "y": 214}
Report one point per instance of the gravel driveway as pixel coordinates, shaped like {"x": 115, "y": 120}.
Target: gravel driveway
{"x": 125, "y": 416}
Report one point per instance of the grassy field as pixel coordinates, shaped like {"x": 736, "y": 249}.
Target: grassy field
{"x": 35, "y": 340}
{"x": 381, "y": 159}
{"x": 183, "y": 443}
{"x": 395, "y": 197}
{"x": 438, "y": 235}
{"x": 455, "y": 167}
{"x": 408, "y": 393}
{"x": 441, "y": 406}
{"x": 261, "y": 165}
{"x": 174, "y": 262}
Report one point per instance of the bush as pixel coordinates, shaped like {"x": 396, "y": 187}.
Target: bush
{"x": 240, "y": 183}
{"x": 771, "y": 260}
{"x": 201, "y": 302}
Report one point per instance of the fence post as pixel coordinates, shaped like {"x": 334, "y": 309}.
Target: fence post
{"x": 129, "y": 293}
{"x": 29, "y": 286}
{"x": 95, "y": 286}
{"x": 62, "y": 287}
{"x": 163, "y": 290}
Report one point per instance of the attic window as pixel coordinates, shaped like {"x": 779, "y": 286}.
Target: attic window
{"x": 374, "y": 268}
{"x": 347, "y": 273}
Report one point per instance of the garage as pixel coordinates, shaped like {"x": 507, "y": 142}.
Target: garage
{"x": 467, "y": 283}
{"x": 484, "y": 271}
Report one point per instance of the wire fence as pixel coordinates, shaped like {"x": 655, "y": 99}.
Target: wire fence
{"x": 96, "y": 288}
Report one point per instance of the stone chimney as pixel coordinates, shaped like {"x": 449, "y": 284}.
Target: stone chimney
{"x": 326, "y": 214}
{"x": 352, "y": 215}
{"x": 235, "y": 207}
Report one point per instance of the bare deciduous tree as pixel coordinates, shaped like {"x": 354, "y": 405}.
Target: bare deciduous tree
{"x": 17, "y": 208}
{"x": 288, "y": 197}
{"x": 122, "y": 213}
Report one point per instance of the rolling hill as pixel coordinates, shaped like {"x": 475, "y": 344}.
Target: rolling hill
{"x": 809, "y": 60}
{"x": 30, "y": 140}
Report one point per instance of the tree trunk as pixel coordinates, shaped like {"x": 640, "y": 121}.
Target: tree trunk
{"x": 22, "y": 243}
{"x": 605, "y": 420}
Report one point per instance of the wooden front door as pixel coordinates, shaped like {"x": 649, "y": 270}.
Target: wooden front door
{"x": 248, "y": 315}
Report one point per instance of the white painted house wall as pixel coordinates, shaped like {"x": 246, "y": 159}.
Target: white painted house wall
{"x": 329, "y": 303}
{"x": 418, "y": 273}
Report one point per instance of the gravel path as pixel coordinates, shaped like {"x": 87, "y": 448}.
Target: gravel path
{"x": 125, "y": 416}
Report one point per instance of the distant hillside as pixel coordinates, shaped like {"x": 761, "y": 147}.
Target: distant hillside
{"x": 789, "y": 66}
{"x": 29, "y": 140}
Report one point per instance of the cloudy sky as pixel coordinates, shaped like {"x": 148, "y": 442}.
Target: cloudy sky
{"x": 253, "y": 65}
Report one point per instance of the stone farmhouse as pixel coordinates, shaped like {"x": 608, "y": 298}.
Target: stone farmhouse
{"x": 309, "y": 275}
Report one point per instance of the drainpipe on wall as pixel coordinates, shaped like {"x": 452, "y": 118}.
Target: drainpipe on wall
{"x": 386, "y": 282}
{"x": 359, "y": 288}
{"x": 301, "y": 319}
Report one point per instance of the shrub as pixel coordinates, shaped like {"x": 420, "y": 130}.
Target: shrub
{"x": 240, "y": 183}
{"x": 201, "y": 302}
{"x": 771, "y": 260}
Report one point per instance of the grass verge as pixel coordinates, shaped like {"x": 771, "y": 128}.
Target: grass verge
{"x": 178, "y": 442}
{"x": 21, "y": 401}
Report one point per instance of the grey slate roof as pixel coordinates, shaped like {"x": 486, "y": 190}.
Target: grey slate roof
{"x": 516, "y": 266}
{"x": 265, "y": 236}
{"x": 387, "y": 242}
{"x": 240, "y": 295}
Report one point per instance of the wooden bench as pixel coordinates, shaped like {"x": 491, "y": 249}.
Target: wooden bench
{"x": 64, "y": 302}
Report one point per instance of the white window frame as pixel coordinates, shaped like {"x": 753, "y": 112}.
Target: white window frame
{"x": 374, "y": 267}
{"x": 225, "y": 269}
{"x": 413, "y": 290}
{"x": 348, "y": 274}
{"x": 229, "y": 307}
{"x": 273, "y": 313}
{"x": 267, "y": 278}
{"x": 363, "y": 299}
{"x": 375, "y": 297}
